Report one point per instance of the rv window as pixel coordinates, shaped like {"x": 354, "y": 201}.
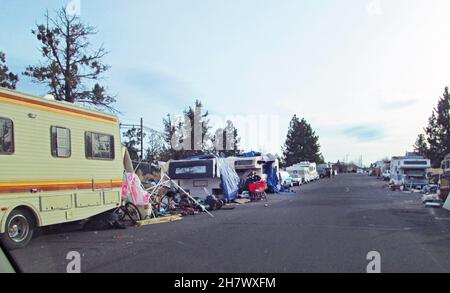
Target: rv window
{"x": 191, "y": 170}
{"x": 6, "y": 136}
{"x": 99, "y": 146}
{"x": 243, "y": 163}
{"x": 60, "y": 142}
{"x": 416, "y": 163}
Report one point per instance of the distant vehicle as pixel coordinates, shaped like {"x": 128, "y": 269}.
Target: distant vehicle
{"x": 297, "y": 180}
{"x": 59, "y": 163}
{"x": 300, "y": 171}
{"x": 325, "y": 170}
{"x": 286, "y": 179}
{"x": 409, "y": 172}
{"x": 313, "y": 174}
{"x": 306, "y": 170}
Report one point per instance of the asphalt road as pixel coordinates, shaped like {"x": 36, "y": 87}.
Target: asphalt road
{"x": 327, "y": 226}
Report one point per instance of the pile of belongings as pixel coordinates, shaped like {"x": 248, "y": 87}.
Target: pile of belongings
{"x": 133, "y": 191}
{"x": 432, "y": 200}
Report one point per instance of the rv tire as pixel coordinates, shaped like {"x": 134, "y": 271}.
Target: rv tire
{"x": 20, "y": 226}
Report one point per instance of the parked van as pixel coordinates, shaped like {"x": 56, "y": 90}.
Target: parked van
{"x": 59, "y": 163}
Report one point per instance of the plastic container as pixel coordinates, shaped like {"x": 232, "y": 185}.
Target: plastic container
{"x": 257, "y": 186}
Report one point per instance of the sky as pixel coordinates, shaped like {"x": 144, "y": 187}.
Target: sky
{"x": 365, "y": 74}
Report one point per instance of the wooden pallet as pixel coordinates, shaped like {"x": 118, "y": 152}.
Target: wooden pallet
{"x": 161, "y": 220}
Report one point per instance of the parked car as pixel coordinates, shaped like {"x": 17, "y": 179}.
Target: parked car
{"x": 286, "y": 179}
{"x": 297, "y": 180}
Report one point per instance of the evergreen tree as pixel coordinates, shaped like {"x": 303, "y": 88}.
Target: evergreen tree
{"x": 7, "y": 78}
{"x": 438, "y": 130}
{"x": 302, "y": 144}
{"x": 421, "y": 146}
{"x": 132, "y": 141}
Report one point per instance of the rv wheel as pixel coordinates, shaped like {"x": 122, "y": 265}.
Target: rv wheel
{"x": 19, "y": 229}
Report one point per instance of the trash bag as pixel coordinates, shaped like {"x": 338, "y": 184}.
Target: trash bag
{"x": 105, "y": 221}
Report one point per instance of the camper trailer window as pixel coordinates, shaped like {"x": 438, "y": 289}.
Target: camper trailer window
{"x": 191, "y": 170}
{"x": 60, "y": 140}
{"x": 99, "y": 146}
{"x": 424, "y": 163}
{"x": 6, "y": 136}
{"x": 243, "y": 163}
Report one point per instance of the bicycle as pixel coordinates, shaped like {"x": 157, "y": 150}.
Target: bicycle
{"x": 129, "y": 210}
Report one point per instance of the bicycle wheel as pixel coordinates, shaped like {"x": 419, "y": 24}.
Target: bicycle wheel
{"x": 165, "y": 203}
{"x": 133, "y": 212}
{"x": 121, "y": 213}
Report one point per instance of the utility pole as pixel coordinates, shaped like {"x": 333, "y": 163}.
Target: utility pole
{"x": 142, "y": 139}
{"x": 140, "y": 135}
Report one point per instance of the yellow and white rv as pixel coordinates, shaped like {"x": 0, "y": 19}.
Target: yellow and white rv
{"x": 58, "y": 163}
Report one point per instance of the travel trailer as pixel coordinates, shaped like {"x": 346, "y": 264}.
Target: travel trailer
{"x": 445, "y": 179}
{"x": 267, "y": 167}
{"x": 245, "y": 165}
{"x": 300, "y": 171}
{"x": 196, "y": 175}
{"x": 202, "y": 173}
{"x": 409, "y": 171}
{"x": 307, "y": 170}
{"x": 59, "y": 163}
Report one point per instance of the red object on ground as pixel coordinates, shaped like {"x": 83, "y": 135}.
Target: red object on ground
{"x": 257, "y": 186}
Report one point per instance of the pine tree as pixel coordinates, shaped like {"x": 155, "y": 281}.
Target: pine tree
{"x": 132, "y": 141}
{"x": 302, "y": 144}
{"x": 7, "y": 78}
{"x": 70, "y": 68}
{"x": 421, "y": 146}
{"x": 438, "y": 130}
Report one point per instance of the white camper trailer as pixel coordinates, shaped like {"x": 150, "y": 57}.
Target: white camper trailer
{"x": 301, "y": 172}
{"x": 205, "y": 175}
{"x": 244, "y": 166}
{"x": 409, "y": 171}
{"x": 265, "y": 166}
{"x": 306, "y": 170}
{"x": 196, "y": 175}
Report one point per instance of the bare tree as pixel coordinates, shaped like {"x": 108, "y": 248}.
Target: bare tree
{"x": 71, "y": 69}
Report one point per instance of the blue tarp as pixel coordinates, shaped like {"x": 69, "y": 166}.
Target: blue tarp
{"x": 251, "y": 154}
{"x": 273, "y": 181}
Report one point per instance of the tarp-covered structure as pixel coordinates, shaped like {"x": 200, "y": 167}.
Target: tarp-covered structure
{"x": 229, "y": 178}
{"x": 270, "y": 169}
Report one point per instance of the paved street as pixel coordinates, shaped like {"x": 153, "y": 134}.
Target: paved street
{"x": 327, "y": 226}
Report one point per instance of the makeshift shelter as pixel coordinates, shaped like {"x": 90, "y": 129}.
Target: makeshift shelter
{"x": 268, "y": 166}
